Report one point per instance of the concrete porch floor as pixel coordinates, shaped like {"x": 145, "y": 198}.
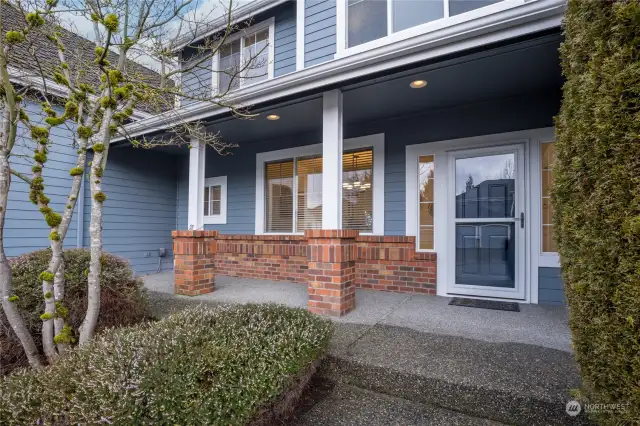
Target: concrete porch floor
{"x": 538, "y": 325}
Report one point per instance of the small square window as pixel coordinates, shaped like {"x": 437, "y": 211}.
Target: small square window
{"x": 215, "y": 200}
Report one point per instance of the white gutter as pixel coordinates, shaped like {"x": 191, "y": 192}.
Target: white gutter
{"x": 240, "y": 14}
{"x": 525, "y": 19}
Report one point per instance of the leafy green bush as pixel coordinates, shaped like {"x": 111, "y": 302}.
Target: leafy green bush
{"x": 596, "y": 196}
{"x": 222, "y": 366}
{"x": 123, "y": 300}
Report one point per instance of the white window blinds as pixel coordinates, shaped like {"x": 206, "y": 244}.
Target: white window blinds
{"x": 279, "y": 196}
{"x": 357, "y": 190}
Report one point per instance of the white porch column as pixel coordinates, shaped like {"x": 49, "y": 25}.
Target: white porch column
{"x": 197, "y": 155}
{"x": 332, "y": 160}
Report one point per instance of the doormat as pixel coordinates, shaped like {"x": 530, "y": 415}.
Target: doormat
{"x": 485, "y": 304}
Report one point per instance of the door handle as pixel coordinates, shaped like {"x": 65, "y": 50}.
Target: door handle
{"x": 520, "y": 219}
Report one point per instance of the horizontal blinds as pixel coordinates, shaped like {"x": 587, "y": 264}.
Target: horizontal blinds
{"x": 357, "y": 190}
{"x": 309, "y": 179}
{"x": 425, "y": 187}
{"x": 548, "y": 156}
{"x": 212, "y": 200}
{"x": 279, "y": 196}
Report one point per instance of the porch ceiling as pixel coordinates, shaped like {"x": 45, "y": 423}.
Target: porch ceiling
{"x": 523, "y": 68}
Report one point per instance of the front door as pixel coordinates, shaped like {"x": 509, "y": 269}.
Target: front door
{"x": 486, "y": 222}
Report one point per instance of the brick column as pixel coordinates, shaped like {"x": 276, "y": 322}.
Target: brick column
{"x": 194, "y": 269}
{"x": 332, "y": 256}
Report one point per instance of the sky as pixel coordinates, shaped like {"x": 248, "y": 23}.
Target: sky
{"x": 211, "y": 9}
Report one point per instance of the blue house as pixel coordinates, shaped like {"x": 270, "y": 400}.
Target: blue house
{"x": 383, "y": 117}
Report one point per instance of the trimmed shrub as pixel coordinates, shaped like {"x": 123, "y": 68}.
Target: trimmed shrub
{"x": 123, "y": 300}
{"x": 596, "y": 196}
{"x": 230, "y": 365}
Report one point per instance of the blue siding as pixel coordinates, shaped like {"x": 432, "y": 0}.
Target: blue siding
{"x": 319, "y": 31}
{"x": 452, "y": 123}
{"x": 140, "y": 210}
{"x": 182, "y": 192}
{"x": 25, "y": 229}
{"x": 285, "y": 39}
{"x": 550, "y": 286}
{"x": 196, "y": 82}
{"x": 239, "y": 167}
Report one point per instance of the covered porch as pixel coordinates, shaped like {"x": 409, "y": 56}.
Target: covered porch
{"x": 544, "y": 326}
{"x": 427, "y": 180}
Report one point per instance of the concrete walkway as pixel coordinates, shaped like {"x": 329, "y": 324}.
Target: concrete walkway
{"x": 413, "y": 359}
{"x": 538, "y": 325}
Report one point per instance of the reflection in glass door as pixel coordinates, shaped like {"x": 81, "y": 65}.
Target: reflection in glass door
{"x": 488, "y": 222}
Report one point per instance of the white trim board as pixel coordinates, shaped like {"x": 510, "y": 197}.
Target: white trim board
{"x": 440, "y": 150}
{"x": 220, "y": 219}
{"x": 394, "y": 37}
{"x": 300, "y": 37}
{"x": 529, "y": 18}
{"x": 375, "y": 141}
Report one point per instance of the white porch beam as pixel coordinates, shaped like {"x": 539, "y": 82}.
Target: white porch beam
{"x": 197, "y": 154}
{"x": 332, "y": 159}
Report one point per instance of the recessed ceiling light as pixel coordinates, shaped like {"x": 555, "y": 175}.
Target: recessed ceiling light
{"x": 418, "y": 84}
{"x": 273, "y": 117}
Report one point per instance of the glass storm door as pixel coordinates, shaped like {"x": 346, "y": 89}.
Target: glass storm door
{"x": 487, "y": 222}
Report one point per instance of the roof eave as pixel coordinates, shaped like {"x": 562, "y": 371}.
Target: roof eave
{"x": 240, "y": 14}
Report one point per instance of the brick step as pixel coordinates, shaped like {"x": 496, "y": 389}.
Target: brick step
{"x": 504, "y": 382}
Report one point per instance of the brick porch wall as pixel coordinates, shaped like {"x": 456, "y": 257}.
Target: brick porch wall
{"x": 269, "y": 257}
{"x": 386, "y": 263}
{"x": 392, "y": 264}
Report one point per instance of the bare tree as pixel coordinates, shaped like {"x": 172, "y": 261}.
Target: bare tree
{"x": 150, "y": 29}
{"x": 103, "y": 94}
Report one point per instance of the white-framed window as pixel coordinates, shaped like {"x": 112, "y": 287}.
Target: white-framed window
{"x": 289, "y": 188}
{"x": 547, "y": 158}
{"x": 366, "y": 24}
{"x": 245, "y": 58}
{"x": 215, "y": 200}
{"x": 426, "y": 202}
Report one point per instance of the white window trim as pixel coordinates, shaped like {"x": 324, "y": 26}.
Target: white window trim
{"x": 391, "y": 37}
{"x": 374, "y": 141}
{"x": 440, "y": 150}
{"x": 216, "y": 219}
{"x": 300, "y": 37}
{"x": 270, "y": 24}
{"x": 545, "y": 259}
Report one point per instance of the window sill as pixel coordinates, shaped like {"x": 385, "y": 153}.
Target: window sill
{"x": 215, "y": 220}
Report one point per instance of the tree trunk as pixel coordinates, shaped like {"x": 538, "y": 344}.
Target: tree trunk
{"x": 6, "y": 280}
{"x": 88, "y": 326}
{"x": 58, "y": 294}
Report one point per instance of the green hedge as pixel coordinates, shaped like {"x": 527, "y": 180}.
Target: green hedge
{"x": 200, "y": 366}
{"x": 596, "y": 196}
{"x": 123, "y": 300}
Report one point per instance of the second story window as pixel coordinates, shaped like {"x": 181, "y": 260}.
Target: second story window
{"x": 245, "y": 58}
{"x": 369, "y": 20}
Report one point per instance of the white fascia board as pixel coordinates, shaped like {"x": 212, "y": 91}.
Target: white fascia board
{"x": 26, "y": 79}
{"x": 240, "y": 14}
{"x": 532, "y": 17}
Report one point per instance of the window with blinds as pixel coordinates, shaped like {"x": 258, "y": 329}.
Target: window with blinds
{"x": 357, "y": 190}
{"x": 548, "y": 156}
{"x": 212, "y": 200}
{"x": 425, "y": 201}
{"x": 309, "y": 190}
{"x": 279, "y": 196}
